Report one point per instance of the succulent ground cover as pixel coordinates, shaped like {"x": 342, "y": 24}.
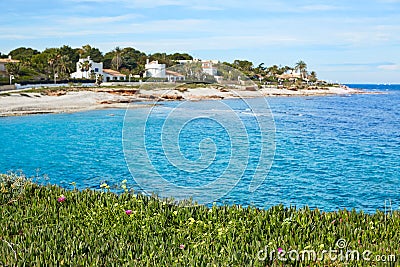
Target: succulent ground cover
{"x": 48, "y": 226}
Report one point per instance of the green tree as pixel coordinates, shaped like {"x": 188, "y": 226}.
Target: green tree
{"x": 132, "y": 59}
{"x": 53, "y": 61}
{"x": 23, "y": 54}
{"x": 243, "y": 65}
{"x": 313, "y": 76}
{"x": 39, "y": 63}
{"x": 273, "y": 70}
{"x": 116, "y": 61}
{"x": 260, "y": 68}
{"x": 46, "y": 62}
{"x": 64, "y": 67}
{"x": 163, "y": 58}
{"x": 93, "y": 53}
{"x": 85, "y": 67}
{"x": 69, "y": 58}
{"x": 13, "y": 69}
{"x": 285, "y": 69}
{"x": 179, "y": 56}
{"x": 301, "y": 66}
{"x": 139, "y": 70}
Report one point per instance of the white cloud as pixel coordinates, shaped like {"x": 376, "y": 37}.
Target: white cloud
{"x": 389, "y": 67}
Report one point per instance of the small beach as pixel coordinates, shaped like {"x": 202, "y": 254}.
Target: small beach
{"x": 21, "y": 103}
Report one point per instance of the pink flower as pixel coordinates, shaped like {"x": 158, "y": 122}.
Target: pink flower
{"x": 62, "y": 198}
{"x": 128, "y": 212}
{"x": 181, "y": 246}
{"x": 280, "y": 250}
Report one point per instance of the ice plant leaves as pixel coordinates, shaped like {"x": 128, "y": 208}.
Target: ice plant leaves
{"x": 101, "y": 228}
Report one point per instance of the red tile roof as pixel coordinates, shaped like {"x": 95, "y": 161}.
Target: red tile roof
{"x": 173, "y": 73}
{"x": 114, "y": 73}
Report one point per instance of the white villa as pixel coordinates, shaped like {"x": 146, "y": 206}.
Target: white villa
{"x": 156, "y": 70}
{"x": 113, "y": 75}
{"x": 208, "y": 68}
{"x": 174, "y": 76}
{"x": 86, "y": 67}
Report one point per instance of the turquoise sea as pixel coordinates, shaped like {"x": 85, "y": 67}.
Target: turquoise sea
{"x": 331, "y": 152}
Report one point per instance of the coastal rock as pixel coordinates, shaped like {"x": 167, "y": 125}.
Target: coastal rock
{"x": 172, "y": 96}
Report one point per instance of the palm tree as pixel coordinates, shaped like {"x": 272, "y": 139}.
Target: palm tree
{"x": 313, "y": 76}
{"x": 53, "y": 62}
{"x": 116, "y": 61}
{"x": 64, "y": 64}
{"x": 273, "y": 70}
{"x": 85, "y": 50}
{"x": 85, "y": 67}
{"x": 260, "y": 69}
{"x": 301, "y": 66}
{"x": 287, "y": 68}
{"x": 140, "y": 69}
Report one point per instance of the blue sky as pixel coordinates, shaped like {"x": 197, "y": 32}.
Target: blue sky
{"x": 345, "y": 41}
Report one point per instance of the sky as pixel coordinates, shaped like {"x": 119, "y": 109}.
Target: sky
{"x": 347, "y": 41}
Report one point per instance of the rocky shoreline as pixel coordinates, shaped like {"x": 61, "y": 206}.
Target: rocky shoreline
{"x": 74, "y": 100}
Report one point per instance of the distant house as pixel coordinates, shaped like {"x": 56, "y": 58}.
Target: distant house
{"x": 87, "y": 68}
{"x": 186, "y": 61}
{"x": 113, "y": 75}
{"x": 154, "y": 69}
{"x": 289, "y": 76}
{"x": 3, "y": 62}
{"x": 208, "y": 68}
{"x": 173, "y": 76}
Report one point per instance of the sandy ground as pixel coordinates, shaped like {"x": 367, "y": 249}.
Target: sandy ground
{"x": 26, "y": 103}
{"x": 20, "y": 103}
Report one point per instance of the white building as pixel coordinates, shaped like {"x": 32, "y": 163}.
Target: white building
{"x": 208, "y": 68}
{"x": 113, "y": 75}
{"x": 87, "y": 69}
{"x": 174, "y": 76}
{"x": 154, "y": 69}
{"x": 186, "y": 61}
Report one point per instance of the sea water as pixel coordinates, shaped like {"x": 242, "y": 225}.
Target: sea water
{"x": 331, "y": 152}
